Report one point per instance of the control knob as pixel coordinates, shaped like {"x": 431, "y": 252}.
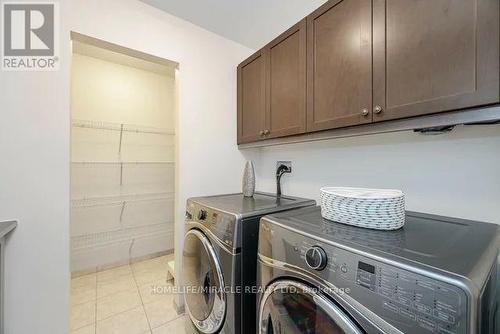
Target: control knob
{"x": 316, "y": 258}
{"x": 202, "y": 215}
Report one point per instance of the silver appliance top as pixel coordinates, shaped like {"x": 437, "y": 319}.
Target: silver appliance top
{"x": 462, "y": 247}
{"x": 223, "y": 216}
{"x": 246, "y": 207}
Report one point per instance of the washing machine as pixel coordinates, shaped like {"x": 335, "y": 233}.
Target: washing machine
{"x": 220, "y": 259}
{"x": 435, "y": 275}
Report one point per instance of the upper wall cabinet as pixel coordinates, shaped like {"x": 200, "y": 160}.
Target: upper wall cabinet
{"x": 272, "y": 88}
{"x": 434, "y": 55}
{"x": 339, "y": 65}
{"x": 286, "y": 83}
{"x": 252, "y": 98}
{"x": 354, "y": 62}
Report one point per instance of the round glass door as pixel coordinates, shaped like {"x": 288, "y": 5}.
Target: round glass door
{"x": 203, "y": 282}
{"x": 293, "y": 308}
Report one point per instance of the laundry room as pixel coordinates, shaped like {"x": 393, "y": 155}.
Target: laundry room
{"x": 243, "y": 167}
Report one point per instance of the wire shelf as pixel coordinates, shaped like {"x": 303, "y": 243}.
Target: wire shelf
{"x": 87, "y": 202}
{"x": 123, "y": 179}
{"x": 121, "y": 127}
{"x": 123, "y": 162}
{"x": 121, "y": 235}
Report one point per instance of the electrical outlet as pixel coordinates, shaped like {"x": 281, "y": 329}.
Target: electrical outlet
{"x": 288, "y": 164}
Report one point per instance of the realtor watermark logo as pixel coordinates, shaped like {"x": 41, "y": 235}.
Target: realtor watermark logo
{"x": 30, "y": 36}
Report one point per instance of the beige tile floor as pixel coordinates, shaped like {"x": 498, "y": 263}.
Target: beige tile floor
{"x": 131, "y": 299}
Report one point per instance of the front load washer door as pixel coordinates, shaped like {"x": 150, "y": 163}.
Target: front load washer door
{"x": 291, "y": 307}
{"x": 203, "y": 282}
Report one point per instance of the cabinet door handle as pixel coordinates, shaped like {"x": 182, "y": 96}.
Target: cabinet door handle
{"x": 266, "y": 132}
{"x": 377, "y": 109}
{"x": 365, "y": 112}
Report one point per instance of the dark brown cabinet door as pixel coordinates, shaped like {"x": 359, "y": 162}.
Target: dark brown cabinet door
{"x": 286, "y": 83}
{"x": 434, "y": 55}
{"x": 251, "y": 98}
{"x": 339, "y": 83}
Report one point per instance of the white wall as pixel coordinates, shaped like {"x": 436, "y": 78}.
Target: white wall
{"x": 35, "y": 137}
{"x": 455, "y": 174}
{"x": 34, "y": 189}
{"x": 114, "y": 92}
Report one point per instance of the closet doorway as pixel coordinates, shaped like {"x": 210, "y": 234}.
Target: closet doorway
{"x": 123, "y": 149}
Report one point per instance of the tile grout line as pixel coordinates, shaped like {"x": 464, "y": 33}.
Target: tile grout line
{"x": 115, "y": 293}
{"x": 140, "y": 296}
{"x": 85, "y": 302}
{"x": 119, "y": 313}
{"x": 171, "y": 320}
{"x": 142, "y": 304}
{"x": 95, "y": 323}
{"x": 144, "y": 308}
{"x": 71, "y": 306}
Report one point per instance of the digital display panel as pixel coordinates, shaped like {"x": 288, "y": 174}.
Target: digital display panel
{"x": 366, "y": 267}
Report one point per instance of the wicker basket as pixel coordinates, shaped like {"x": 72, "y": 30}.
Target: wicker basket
{"x": 380, "y": 209}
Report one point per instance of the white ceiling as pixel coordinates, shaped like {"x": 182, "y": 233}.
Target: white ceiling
{"x": 252, "y": 23}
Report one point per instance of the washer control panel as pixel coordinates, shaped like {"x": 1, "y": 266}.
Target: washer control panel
{"x": 433, "y": 306}
{"x": 316, "y": 258}
{"x": 222, "y": 225}
{"x": 406, "y": 300}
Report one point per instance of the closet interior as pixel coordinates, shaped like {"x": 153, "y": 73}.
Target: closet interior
{"x": 123, "y": 156}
